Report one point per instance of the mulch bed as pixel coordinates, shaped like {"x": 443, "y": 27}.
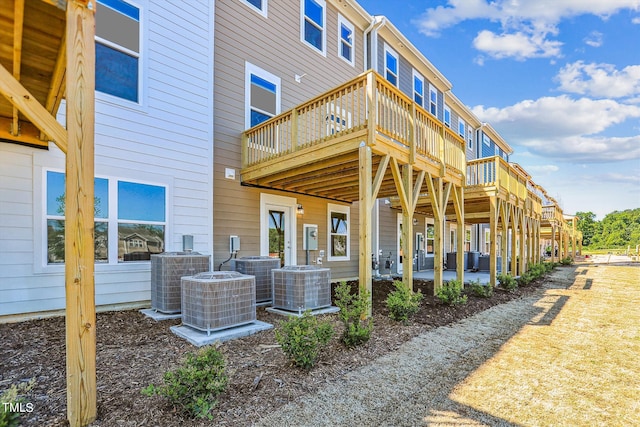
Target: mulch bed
{"x": 134, "y": 351}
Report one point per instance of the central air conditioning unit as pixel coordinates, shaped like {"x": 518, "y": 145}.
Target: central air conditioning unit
{"x": 260, "y": 267}
{"x": 299, "y": 288}
{"x": 218, "y": 300}
{"x": 166, "y": 271}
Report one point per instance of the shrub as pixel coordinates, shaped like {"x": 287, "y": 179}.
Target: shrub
{"x": 507, "y": 282}
{"x": 353, "y": 311}
{"x": 451, "y": 293}
{"x": 193, "y": 388}
{"x": 403, "y": 303}
{"x": 13, "y": 397}
{"x": 302, "y": 338}
{"x": 480, "y": 290}
{"x": 566, "y": 261}
{"x": 526, "y": 278}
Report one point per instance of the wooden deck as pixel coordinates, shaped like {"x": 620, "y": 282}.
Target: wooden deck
{"x": 313, "y": 148}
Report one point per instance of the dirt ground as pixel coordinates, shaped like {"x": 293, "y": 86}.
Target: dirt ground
{"x": 134, "y": 351}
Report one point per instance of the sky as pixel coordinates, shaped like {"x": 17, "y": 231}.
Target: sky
{"x": 558, "y": 79}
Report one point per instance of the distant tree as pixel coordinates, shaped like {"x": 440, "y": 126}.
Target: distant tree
{"x": 618, "y": 229}
{"x": 587, "y": 224}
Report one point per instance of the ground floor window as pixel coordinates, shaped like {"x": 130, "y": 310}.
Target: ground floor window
{"x": 129, "y": 219}
{"x": 338, "y": 235}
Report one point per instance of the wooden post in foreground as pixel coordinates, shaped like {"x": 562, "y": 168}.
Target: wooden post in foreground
{"x": 79, "y": 214}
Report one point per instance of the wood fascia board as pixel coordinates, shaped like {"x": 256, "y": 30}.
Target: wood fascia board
{"x": 13, "y": 90}
{"x": 29, "y": 134}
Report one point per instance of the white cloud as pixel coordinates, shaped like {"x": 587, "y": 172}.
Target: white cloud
{"x": 526, "y": 24}
{"x": 518, "y": 45}
{"x": 542, "y": 169}
{"x": 565, "y": 128}
{"x": 636, "y": 20}
{"x": 594, "y": 39}
{"x": 600, "y": 80}
{"x": 621, "y": 178}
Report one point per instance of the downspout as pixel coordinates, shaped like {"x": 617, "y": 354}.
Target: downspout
{"x": 376, "y": 23}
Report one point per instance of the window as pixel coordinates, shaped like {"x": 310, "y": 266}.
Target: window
{"x": 462, "y": 128}
{"x": 130, "y": 219}
{"x": 433, "y": 101}
{"x": 418, "y": 88}
{"x": 258, "y": 5}
{"x": 262, "y": 95}
{"x": 338, "y": 233}
{"x": 312, "y": 25}
{"x": 118, "y": 50}
{"x": 390, "y": 65}
{"x": 430, "y": 238}
{"x": 470, "y": 138}
{"x": 487, "y": 241}
{"x": 447, "y": 116}
{"x": 346, "y": 40}
{"x": 486, "y": 140}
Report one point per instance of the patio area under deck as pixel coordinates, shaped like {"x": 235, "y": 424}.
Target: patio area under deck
{"x": 356, "y": 143}
{"x": 502, "y": 195}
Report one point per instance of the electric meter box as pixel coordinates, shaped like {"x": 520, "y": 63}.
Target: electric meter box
{"x": 311, "y": 237}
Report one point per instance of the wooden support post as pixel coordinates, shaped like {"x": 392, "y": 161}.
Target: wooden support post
{"x": 79, "y": 220}
{"x": 365, "y": 204}
{"x": 438, "y": 197}
{"x": 504, "y": 247}
{"x": 407, "y": 227}
{"x": 458, "y": 204}
{"x": 493, "y": 244}
{"x": 553, "y": 242}
{"x": 523, "y": 244}
{"x": 514, "y": 242}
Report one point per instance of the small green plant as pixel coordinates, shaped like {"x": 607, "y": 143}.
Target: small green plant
{"x": 451, "y": 293}
{"x": 12, "y": 401}
{"x": 193, "y": 388}
{"x": 507, "y": 282}
{"x": 302, "y": 338}
{"x": 353, "y": 313}
{"x": 526, "y": 278}
{"x": 403, "y": 303}
{"x": 480, "y": 290}
{"x": 566, "y": 261}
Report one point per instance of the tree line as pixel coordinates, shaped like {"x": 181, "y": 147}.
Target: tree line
{"x": 617, "y": 230}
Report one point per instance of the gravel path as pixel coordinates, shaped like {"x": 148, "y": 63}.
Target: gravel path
{"x": 410, "y": 387}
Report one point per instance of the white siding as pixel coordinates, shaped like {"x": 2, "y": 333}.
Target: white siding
{"x": 167, "y": 139}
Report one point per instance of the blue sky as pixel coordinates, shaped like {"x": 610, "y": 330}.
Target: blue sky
{"x": 558, "y": 79}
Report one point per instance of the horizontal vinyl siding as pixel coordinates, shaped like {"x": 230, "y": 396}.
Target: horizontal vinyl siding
{"x": 274, "y": 45}
{"x": 167, "y": 139}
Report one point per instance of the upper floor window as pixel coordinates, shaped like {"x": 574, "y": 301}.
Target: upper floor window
{"x": 486, "y": 140}
{"x": 470, "y": 138}
{"x": 346, "y": 40}
{"x": 262, "y": 95}
{"x": 118, "y": 50}
{"x": 129, "y": 219}
{"x": 462, "y": 128}
{"x": 418, "y": 88}
{"x": 313, "y": 18}
{"x": 259, "y": 5}
{"x": 391, "y": 65}
{"x": 447, "y": 116}
{"x": 433, "y": 101}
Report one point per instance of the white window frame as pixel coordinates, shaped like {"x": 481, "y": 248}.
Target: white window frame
{"x": 344, "y": 210}
{"x": 141, "y": 55}
{"x": 263, "y": 11}
{"x": 432, "y": 90}
{"x": 323, "y": 29}
{"x": 389, "y": 50}
{"x": 272, "y": 78}
{"x": 112, "y": 221}
{"x": 486, "y": 140}
{"x": 418, "y": 76}
{"x": 462, "y": 126}
{"x": 342, "y": 21}
{"x": 470, "y": 138}
{"x": 447, "y": 112}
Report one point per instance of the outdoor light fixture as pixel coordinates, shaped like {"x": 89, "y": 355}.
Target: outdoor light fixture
{"x": 300, "y": 209}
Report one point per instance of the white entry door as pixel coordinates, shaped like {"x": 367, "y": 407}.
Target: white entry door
{"x": 277, "y": 227}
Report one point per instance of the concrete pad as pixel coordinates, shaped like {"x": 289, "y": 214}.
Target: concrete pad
{"x": 200, "y": 338}
{"x": 158, "y": 315}
{"x": 325, "y": 310}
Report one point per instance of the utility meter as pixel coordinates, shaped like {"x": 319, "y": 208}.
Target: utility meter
{"x": 311, "y": 238}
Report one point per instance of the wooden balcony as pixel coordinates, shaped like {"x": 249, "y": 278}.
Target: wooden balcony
{"x": 313, "y": 148}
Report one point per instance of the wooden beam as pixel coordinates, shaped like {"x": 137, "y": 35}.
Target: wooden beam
{"x": 18, "y": 27}
{"x": 29, "y": 134}
{"x": 377, "y": 181}
{"x": 79, "y": 220}
{"x": 31, "y": 108}
{"x": 458, "y": 204}
{"x": 364, "y": 222}
{"x": 494, "y": 212}
{"x": 60, "y": 4}
{"x": 58, "y": 81}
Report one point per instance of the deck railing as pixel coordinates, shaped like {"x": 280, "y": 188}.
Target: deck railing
{"x": 496, "y": 172}
{"x": 346, "y": 110}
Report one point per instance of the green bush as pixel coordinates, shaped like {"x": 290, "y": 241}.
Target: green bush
{"x": 526, "y": 278}
{"x": 480, "y": 290}
{"x": 353, "y": 312}
{"x": 507, "y": 282}
{"x": 403, "y": 303}
{"x": 13, "y": 397}
{"x": 193, "y": 388}
{"x": 566, "y": 261}
{"x": 451, "y": 293}
{"x": 302, "y": 338}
